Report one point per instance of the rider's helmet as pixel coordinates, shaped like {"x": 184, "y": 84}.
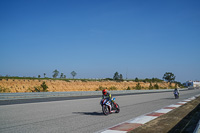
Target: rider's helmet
{"x": 104, "y": 92}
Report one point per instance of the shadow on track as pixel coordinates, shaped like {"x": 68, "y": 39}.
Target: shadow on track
{"x": 89, "y": 113}
{"x": 170, "y": 98}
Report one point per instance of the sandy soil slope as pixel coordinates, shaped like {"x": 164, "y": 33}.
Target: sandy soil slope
{"x": 25, "y": 85}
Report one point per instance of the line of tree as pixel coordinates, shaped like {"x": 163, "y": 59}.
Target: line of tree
{"x": 56, "y": 73}
{"x": 168, "y": 77}
{"x": 117, "y": 77}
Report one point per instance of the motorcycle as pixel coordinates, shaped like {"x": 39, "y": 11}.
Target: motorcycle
{"x": 176, "y": 95}
{"x": 109, "y": 107}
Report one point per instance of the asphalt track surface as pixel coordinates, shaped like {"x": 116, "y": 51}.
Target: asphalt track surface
{"x": 78, "y": 114}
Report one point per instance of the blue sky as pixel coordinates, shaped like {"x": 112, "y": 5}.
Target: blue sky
{"x": 96, "y": 38}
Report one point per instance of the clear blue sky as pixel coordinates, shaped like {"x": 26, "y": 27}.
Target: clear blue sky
{"x": 96, "y": 38}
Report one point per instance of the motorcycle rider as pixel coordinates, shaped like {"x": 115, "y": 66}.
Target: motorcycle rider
{"x": 107, "y": 95}
{"x": 176, "y": 91}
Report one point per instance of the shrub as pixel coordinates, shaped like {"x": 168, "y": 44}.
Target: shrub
{"x": 138, "y": 87}
{"x": 44, "y": 87}
{"x": 136, "y": 79}
{"x": 150, "y": 87}
{"x": 156, "y": 86}
{"x": 112, "y": 88}
{"x": 129, "y": 88}
{"x": 37, "y": 89}
{"x": 67, "y": 80}
{"x": 101, "y": 88}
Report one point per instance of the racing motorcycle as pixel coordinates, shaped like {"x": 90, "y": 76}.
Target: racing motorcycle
{"x": 176, "y": 95}
{"x": 109, "y": 107}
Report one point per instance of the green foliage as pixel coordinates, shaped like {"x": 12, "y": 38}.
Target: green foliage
{"x": 150, "y": 87}
{"x": 136, "y": 79}
{"x": 61, "y": 75}
{"x": 84, "y": 80}
{"x": 37, "y": 89}
{"x": 109, "y": 89}
{"x": 44, "y": 75}
{"x": 112, "y": 88}
{"x": 108, "y": 79}
{"x": 67, "y": 80}
{"x": 138, "y": 87}
{"x": 101, "y": 88}
{"x": 156, "y": 86}
{"x": 171, "y": 87}
{"x": 153, "y": 80}
{"x": 169, "y": 77}
{"x": 44, "y": 87}
{"x": 56, "y": 72}
{"x": 129, "y": 88}
{"x": 116, "y": 76}
{"x": 121, "y": 77}
{"x": 178, "y": 84}
{"x": 73, "y": 73}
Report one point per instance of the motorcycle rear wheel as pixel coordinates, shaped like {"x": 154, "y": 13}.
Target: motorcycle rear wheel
{"x": 117, "y": 108}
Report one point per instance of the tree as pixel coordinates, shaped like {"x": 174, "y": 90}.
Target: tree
{"x": 73, "y": 73}
{"x": 44, "y": 75}
{"x": 136, "y": 79}
{"x": 39, "y": 76}
{"x": 121, "y": 77}
{"x": 61, "y": 75}
{"x": 56, "y": 72}
{"x": 116, "y": 76}
{"x": 169, "y": 77}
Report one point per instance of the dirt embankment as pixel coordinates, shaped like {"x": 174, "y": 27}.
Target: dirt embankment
{"x": 25, "y": 85}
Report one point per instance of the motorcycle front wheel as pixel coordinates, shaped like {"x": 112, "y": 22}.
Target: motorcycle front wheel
{"x": 105, "y": 110}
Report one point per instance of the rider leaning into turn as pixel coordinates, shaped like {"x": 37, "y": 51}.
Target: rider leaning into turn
{"x": 176, "y": 91}
{"x": 107, "y": 95}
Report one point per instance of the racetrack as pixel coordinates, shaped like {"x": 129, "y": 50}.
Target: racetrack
{"x": 80, "y": 115}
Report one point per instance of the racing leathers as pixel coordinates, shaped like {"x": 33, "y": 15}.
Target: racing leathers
{"x": 108, "y": 97}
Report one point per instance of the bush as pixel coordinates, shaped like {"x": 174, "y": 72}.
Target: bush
{"x": 37, "y": 89}
{"x": 101, "y": 88}
{"x": 129, "y": 88}
{"x": 150, "y": 87}
{"x": 112, "y": 88}
{"x": 44, "y": 87}
{"x": 138, "y": 87}
{"x": 156, "y": 86}
{"x": 136, "y": 79}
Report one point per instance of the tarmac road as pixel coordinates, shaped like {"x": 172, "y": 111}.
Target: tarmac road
{"x": 80, "y": 115}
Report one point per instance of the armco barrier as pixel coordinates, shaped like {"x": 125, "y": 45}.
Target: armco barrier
{"x": 12, "y": 96}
